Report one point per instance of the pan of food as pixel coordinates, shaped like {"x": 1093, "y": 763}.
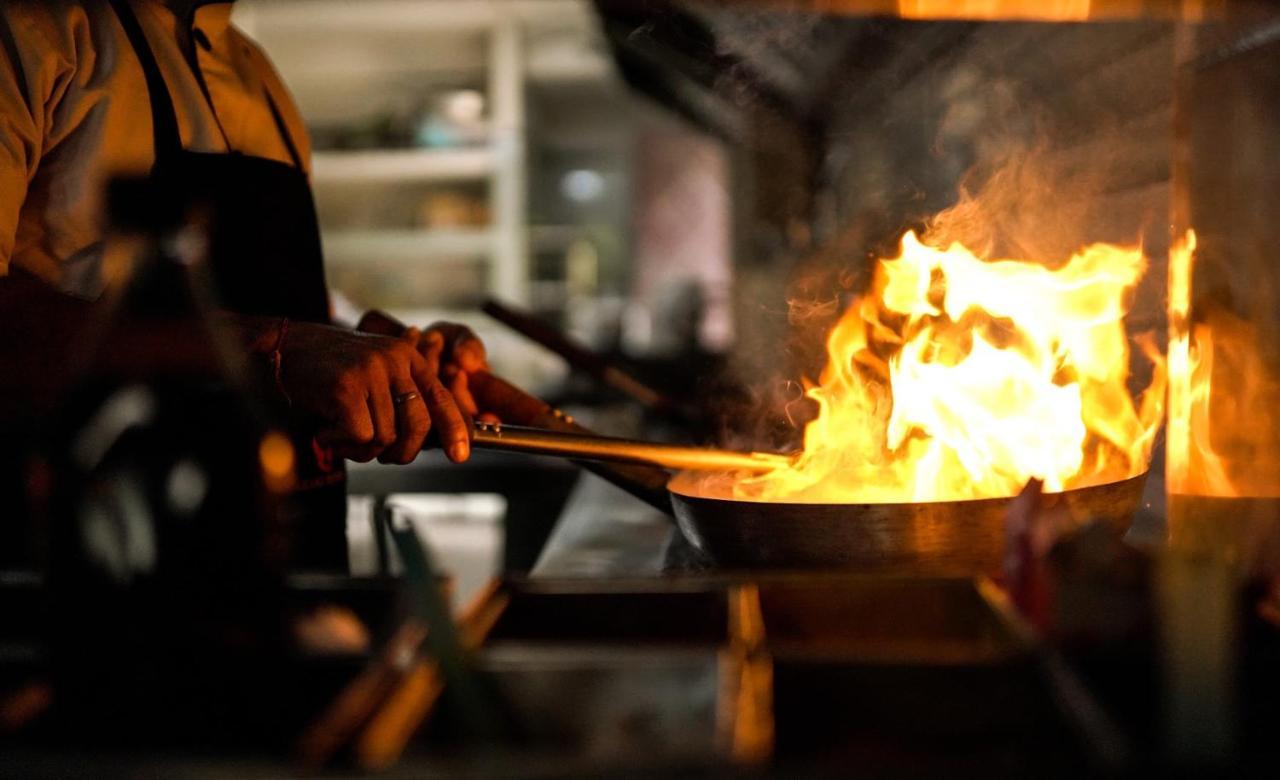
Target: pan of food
{"x": 959, "y": 536}
{"x": 953, "y": 379}
{"x": 944, "y": 536}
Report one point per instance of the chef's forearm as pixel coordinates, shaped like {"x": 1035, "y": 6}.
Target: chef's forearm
{"x": 41, "y": 330}
{"x": 259, "y": 335}
{"x": 36, "y": 319}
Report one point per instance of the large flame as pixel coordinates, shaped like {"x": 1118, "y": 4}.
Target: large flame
{"x": 960, "y": 378}
{"x": 1223, "y": 437}
{"x": 1043, "y": 10}
{"x": 1191, "y": 466}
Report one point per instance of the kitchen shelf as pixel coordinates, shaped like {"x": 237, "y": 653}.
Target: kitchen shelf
{"x": 407, "y": 247}
{"x": 402, "y": 165}
{"x": 404, "y": 17}
{"x": 349, "y": 59}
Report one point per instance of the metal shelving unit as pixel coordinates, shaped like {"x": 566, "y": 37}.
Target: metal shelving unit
{"x": 484, "y": 44}
{"x": 548, "y": 81}
{"x": 407, "y": 247}
{"x": 402, "y": 165}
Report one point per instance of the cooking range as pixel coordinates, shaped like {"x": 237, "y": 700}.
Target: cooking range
{"x": 999, "y": 487}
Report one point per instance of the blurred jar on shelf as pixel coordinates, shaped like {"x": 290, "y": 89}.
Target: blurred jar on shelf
{"x": 453, "y": 208}
{"x": 453, "y": 118}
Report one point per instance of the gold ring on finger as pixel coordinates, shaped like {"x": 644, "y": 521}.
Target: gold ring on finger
{"x": 404, "y": 398}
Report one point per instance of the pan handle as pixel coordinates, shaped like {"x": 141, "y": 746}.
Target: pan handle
{"x": 585, "y": 446}
{"x": 646, "y": 483}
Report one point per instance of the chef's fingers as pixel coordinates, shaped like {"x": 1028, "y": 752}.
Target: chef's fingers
{"x": 382, "y": 424}
{"x": 431, "y": 347}
{"x": 457, "y": 384}
{"x": 338, "y": 438}
{"x": 344, "y": 446}
{"x": 381, "y": 323}
{"x": 413, "y": 423}
{"x": 452, "y": 426}
{"x": 469, "y": 353}
{"x": 381, "y": 407}
{"x": 350, "y": 430}
{"x": 461, "y": 346}
{"x": 360, "y": 453}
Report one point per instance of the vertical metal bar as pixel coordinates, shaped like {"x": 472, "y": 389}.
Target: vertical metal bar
{"x": 509, "y": 274}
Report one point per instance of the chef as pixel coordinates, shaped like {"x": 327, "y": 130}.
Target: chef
{"x": 90, "y": 89}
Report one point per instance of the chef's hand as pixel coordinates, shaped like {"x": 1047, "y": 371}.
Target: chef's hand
{"x": 379, "y": 395}
{"x": 455, "y": 353}
{"x": 452, "y": 351}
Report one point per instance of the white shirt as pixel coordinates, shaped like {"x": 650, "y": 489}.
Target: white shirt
{"x": 75, "y": 111}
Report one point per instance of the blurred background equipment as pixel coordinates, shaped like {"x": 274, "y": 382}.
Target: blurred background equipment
{"x": 476, "y": 149}
{"x": 167, "y": 540}
{"x": 468, "y": 150}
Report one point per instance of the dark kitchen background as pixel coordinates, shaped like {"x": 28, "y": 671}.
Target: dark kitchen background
{"x": 695, "y": 188}
{"x": 464, "y": 151}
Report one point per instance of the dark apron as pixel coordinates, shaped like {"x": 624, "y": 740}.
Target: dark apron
{"x": 265, "y": 259}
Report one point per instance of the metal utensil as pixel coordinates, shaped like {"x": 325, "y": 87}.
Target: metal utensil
{"x": 585, "y": 446}
{"x": 448, "y": 648}
{"x": 585, "y": 359}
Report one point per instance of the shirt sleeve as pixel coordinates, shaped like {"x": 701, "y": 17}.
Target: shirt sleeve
{"x": 21, "y": 122}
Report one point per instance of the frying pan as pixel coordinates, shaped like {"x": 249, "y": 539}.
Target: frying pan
{"x": 945, "y": 537}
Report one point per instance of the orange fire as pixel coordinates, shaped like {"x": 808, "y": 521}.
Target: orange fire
{"x": 960, "y": 378}
{"x": 1190, "y": 464}
{"x": 1221, "y": 444}
{"x": 1039, "y": 10}
{"x": 1043, "y": 10}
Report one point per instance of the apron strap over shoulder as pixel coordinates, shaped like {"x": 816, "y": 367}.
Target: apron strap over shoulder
{"x": 285, "y": 135}
{"x": 164, "y": 119}
{"x": 168, "y": 139}
{"x": 265, "y": 259}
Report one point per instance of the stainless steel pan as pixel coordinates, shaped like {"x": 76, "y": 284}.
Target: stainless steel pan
{"x": 943, "y": 536}
{"x": 965, "y": 537}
